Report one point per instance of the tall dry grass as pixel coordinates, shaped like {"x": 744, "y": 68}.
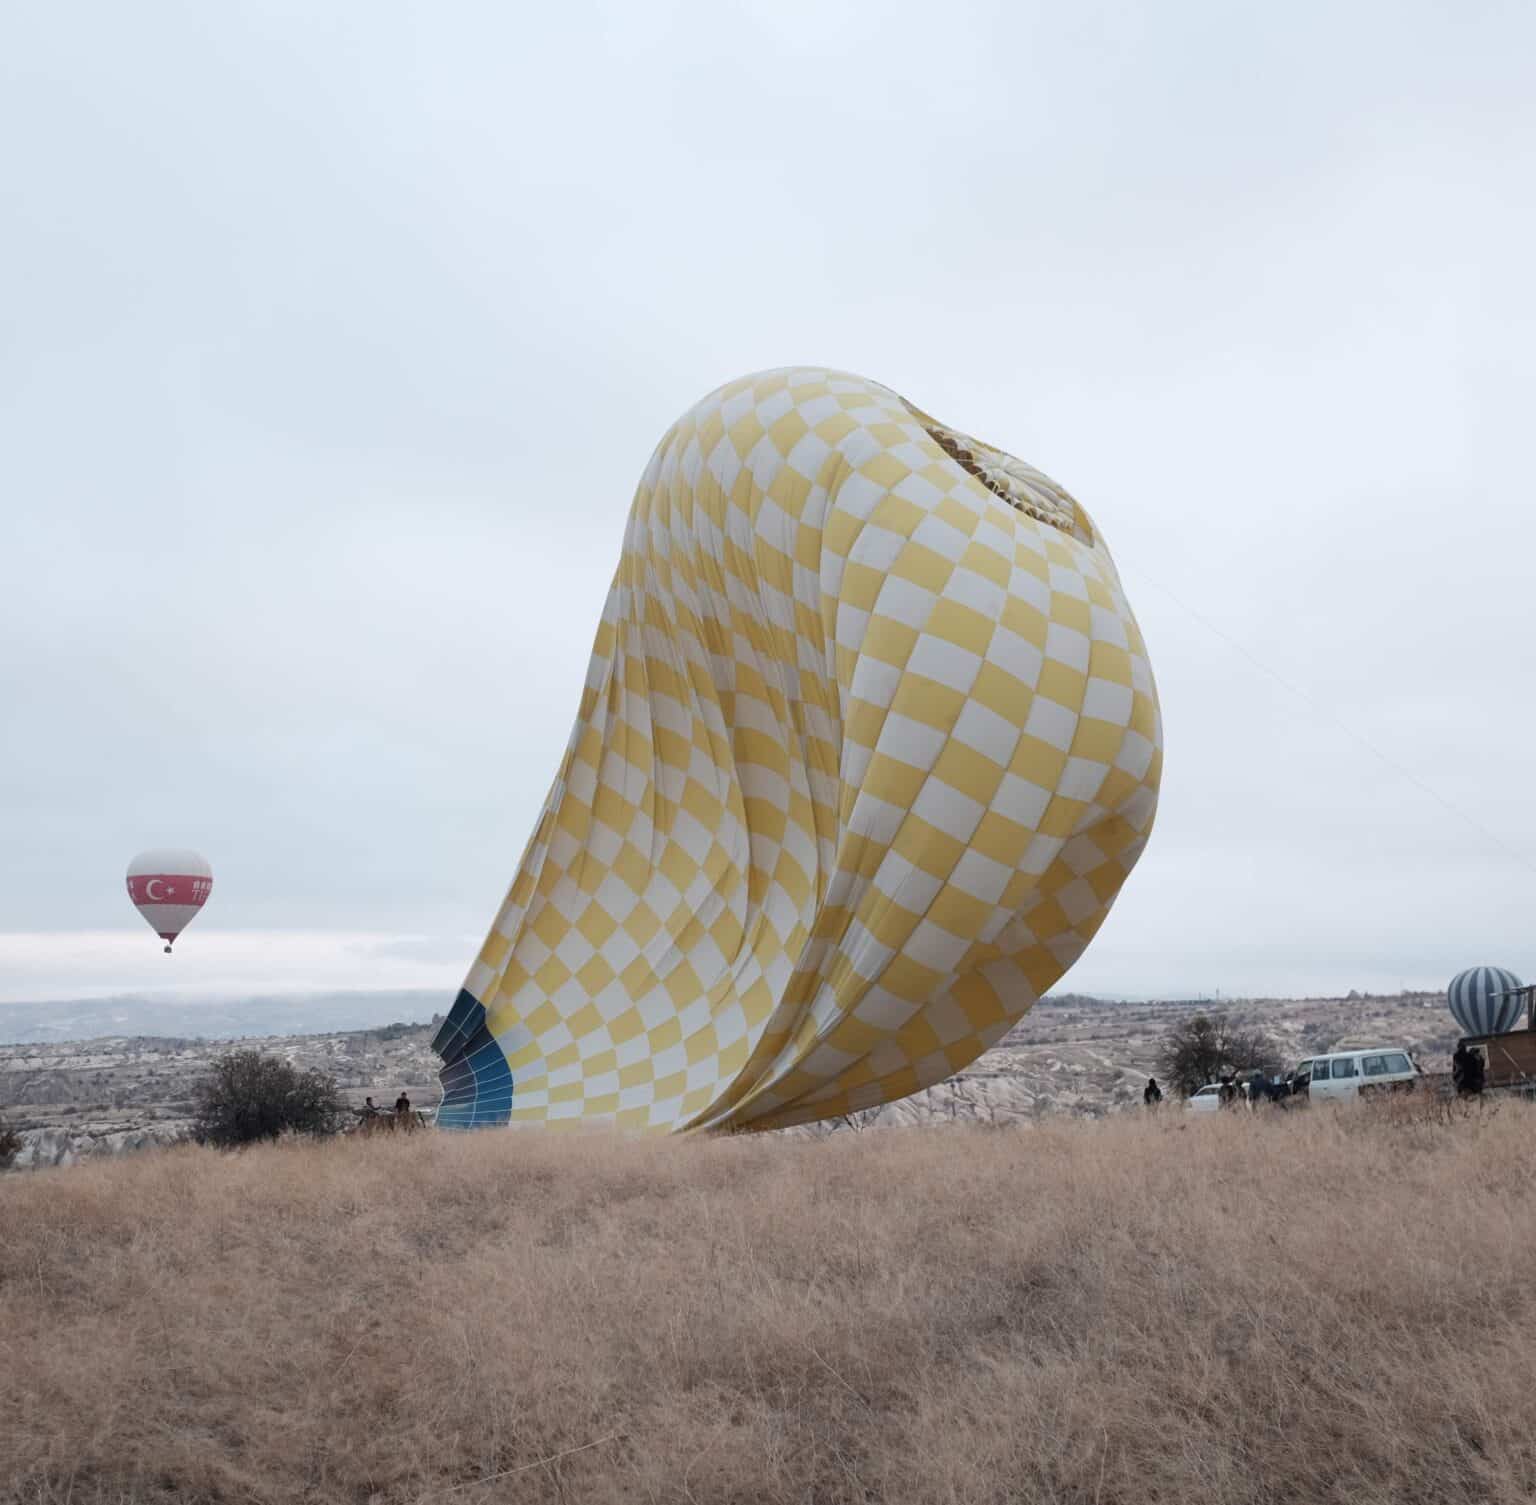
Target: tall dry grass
{"x": 1302, "y": 1307}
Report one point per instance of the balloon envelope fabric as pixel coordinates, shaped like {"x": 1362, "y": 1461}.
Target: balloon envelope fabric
{"x": 868, "y": 744}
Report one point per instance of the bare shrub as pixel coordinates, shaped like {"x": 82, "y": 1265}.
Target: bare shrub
{"x": 246, "y": 1096}
{"x": 1207, "y": 1046}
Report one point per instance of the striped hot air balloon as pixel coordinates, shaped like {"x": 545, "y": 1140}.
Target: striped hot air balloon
{"x": 1485, "y": 1000}
{"x": 168, "y": 888}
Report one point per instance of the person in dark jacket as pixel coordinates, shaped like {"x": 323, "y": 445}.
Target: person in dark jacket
{"x": 1152, "y": 1094}
{"x": 1475, "y": 1070}
{"x": 1462, "y": 1069}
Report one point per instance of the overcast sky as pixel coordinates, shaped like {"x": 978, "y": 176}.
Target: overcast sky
{"x": 334, "y": 339}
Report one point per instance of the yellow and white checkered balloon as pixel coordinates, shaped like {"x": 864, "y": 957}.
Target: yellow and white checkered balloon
{"x": 868, "y": 744}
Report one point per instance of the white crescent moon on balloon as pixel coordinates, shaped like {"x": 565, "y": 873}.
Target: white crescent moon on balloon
{"x": 149, "y": 890}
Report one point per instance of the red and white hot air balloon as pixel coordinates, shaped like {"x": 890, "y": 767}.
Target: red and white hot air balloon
{"x": 168, "y": 889}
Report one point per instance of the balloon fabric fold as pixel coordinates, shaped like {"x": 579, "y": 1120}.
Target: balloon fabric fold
{"x": 868, "y": 745}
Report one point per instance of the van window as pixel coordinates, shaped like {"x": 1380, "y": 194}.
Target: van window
{"x": 1397, "y": 1061}
{"x": 1374, "y": 1066}
{"x": 1319, "y": 1071}
{"x": 1343, "y": 1066}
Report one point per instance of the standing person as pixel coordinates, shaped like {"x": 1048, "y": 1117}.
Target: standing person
{"x": 1461, "y": 1069}
{"x": 402, "y": 1107}
{"x": 1152, "y": 1094}
{"x": 1474, "y": 1073}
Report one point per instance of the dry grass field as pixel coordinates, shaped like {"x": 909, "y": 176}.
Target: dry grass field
{"x": 1309, "y": 1306}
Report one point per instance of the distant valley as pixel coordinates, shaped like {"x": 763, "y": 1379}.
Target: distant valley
{"x": 215, "y": 1019}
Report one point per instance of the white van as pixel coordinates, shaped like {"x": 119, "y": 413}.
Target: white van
{"x": 1342, "y": 1075}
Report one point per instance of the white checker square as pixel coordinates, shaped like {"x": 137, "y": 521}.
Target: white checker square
{"x": 1067, "y": 646}
{"x": 884, "y": 1010}
{"x": 1108, "y": 701}
{"x": 986, "y": 732}
{"x": 1051, "y": 722}
{"x": 981, "y": 877}
{"x": 875, "y": 682}
{"x": 902, "y": 601}
{"x": 1081, "y": 779}
{"x": 984, "y": 596}
{"x": 938, "y": 659}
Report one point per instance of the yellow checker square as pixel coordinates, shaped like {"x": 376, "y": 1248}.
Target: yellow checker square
{"x": 701, "y": 1046}
{"x": 961, "y": 515}
{"x": 637, "y": 1074}
{"x": 928, "y": 702}
{"x": 641, "y": 924}
{"x": 1059, "y": 683}
{"x": 958, "y": 912}
{"x": 894, "y": 782}
{"x": 889, "y": 921}
{"x": 551, "y": 975}
{"x": 684, "y": 985}
{"x": 1000, "y": 839}
{"x": 889, "y": 641}
{"x": 734, "y": 832}
{"x": 543, "y": 1018}
{"x": 595, "y": 975}
{"x": 1071, "y": 612}
{"x": 936, "y": 852}
{"x": 923, "y": 567}
{"x": 1097, "y": 740}
{"x": 566, "y": 1055}
{"x": 599, "y": 1064}
{"x": 1061, "y": 816}
{"x": 980, "y": 1002}
{"x": 987, "y": 563}
{"x": 671, "y": 1086}
{"x": 1105, "y": 882}
{"x": 594, "y": 922}
{"x": 1002, "y": 693}
{"x": 969, "y": 772}
{"x": 787, "y": 432}
{"x": 1038, "y": 762}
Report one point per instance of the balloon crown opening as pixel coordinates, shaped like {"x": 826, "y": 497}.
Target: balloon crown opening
{"x": 1020, "y": 485}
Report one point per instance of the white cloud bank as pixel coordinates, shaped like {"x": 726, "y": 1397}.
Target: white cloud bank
{"x": 42, "y": 966}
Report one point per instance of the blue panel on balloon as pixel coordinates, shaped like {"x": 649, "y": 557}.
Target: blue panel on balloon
{"x": 476, "y": 1080}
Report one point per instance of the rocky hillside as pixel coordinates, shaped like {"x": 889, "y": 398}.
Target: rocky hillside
{"x": 75, "y": 1099}
{"x": 1090, "y": 1057}
{"x": 1071, "y": 1055}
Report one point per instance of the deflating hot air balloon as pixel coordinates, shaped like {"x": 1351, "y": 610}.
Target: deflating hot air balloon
{"x": 1485, "y": 1000}
{"x": 168, "y": 889}
{"x": 867, "y": 746}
